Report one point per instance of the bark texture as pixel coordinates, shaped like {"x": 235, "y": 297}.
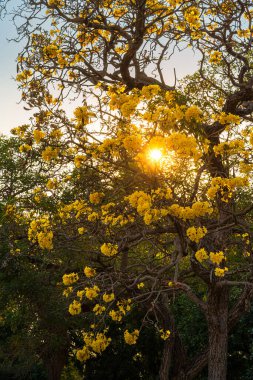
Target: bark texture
{"x": 217, "y": 315}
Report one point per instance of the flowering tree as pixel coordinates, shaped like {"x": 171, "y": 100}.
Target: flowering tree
{"x": 152, "y": 182}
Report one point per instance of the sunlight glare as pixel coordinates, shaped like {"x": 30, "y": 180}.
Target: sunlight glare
{"x": 155, "y": 154}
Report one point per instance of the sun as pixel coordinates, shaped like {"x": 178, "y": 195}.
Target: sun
{"x": 155, "y": 154}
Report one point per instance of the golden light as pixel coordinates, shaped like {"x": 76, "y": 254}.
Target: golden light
{"x": 155, "y": 154}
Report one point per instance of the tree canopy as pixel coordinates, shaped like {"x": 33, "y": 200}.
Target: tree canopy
{"x": 145, "y": 192}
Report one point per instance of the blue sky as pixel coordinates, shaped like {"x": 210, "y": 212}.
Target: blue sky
{"x": 12, "y": 113}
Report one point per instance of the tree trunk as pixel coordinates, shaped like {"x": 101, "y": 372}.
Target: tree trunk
{"x": 167, "y": 323}
{"x": 217, "y": 319}
{"x": 54, "y": 363}
{"x": 166, "y": 360}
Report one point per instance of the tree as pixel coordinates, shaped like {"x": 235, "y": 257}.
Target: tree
{"x": 36, "y": 330}
{"x": 167, "y": 208}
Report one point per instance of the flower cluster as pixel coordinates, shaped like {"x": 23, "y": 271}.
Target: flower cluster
{"x": 69, "y": 279}
{"x": 40, "y": 231}
{"x": 89, "y": 272}
{"x": 217, "y": 257}
{"x": 201, "y": 255}
{"x": 92, "y": 293}
{"x": 215, "y": 57}
{"x": 196, "y": 233}
{"x": 94, "y": 344}
{"x": 131, "y": 338}
{"x": 75, "y": 308}
{"x": 96, "y": 198}
{"x": 109, "y": 249}
{"x": 123, "y": 307}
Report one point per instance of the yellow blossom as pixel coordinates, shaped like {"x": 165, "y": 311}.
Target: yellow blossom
{"x": 38, "y": 135}
{"x": 149, "y": 92}
{"x": 193, "y": 113}
{"x": 25, "y": 148}
{"x": 131, "y": 338}
{"x": 201, "y": 255}
{"x": 91, "y": 293}
{"x": 45, "y": 239}
{"x": 164, "y": 334}
{"x": 52, "y": 184}
{"x": 96, "y": 342}
{"x": 96, "y": 198}
{"x": 82, "y": 116}
{"x": 217, "y": 257}
{"x": 75, "y": 308}
{"x": 83, "y": 355}
{"x": 215, "y": 57}
{"x": 109, "y": 249}
{"x": 108, "y": 297}
{"x": 196, "y": 233}
{"x": 70, "y": 278}
{"x": 98, "y": 309}
{"x": 80, "y": 294}
{"x": 89, "y": 272}
{"x": 49, "y": 153}
{"x": 79, "y": 160}
{"x": 116, "y": 315}
{"x": 219, "y": 272}
{"x": 81, "y": 230}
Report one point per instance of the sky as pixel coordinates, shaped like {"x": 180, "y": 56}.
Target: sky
{"x": 12, "y": 112}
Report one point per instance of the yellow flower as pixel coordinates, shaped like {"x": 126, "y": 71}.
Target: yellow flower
{"x": 98, "y": 309}
{"x": 82, "y": 116}
{"x": 70, "y": 278}
{"x": 49, "y": 153}
{"x": 51, "y": 51}
{"x": 217, "y": 257}
{"x": 89, "y": 272}
{"x": 81, "y": 230}
{"x": 93, "y": 217}
{"x": 219, "y": 272}
{"x": 96, "y": 343}
{"x": 45, "y": 239}
{"x": 52, "y": 184}
{"x": 215, "y": 57}
{"x": 201, "y": 255}
{"x": 193, "y": 113}
{"x": 75, "y": 308}
{"x": 25, "y": 148}
{"x": 140, "y": 285}
{"x": 67, "y": 291}
{"x": 116, "y": 315}
{"x": 96, "y": 198}
{"x": 109, "y": 249}
{"x": 83, "y": 355}
{"x": 196, "y": 233}
{"x": 91, "y": 293}
{"x": 131, "y": 338}
{"x": 244, "y": 33}
{"x": 38, "y": 135}
{"x": 165, "y": 334}
{"x": 80, "y": 294}
{"x": 149, "y": 92}
{"x": 108, "y": 297}
{"x": 78, "y": 160}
